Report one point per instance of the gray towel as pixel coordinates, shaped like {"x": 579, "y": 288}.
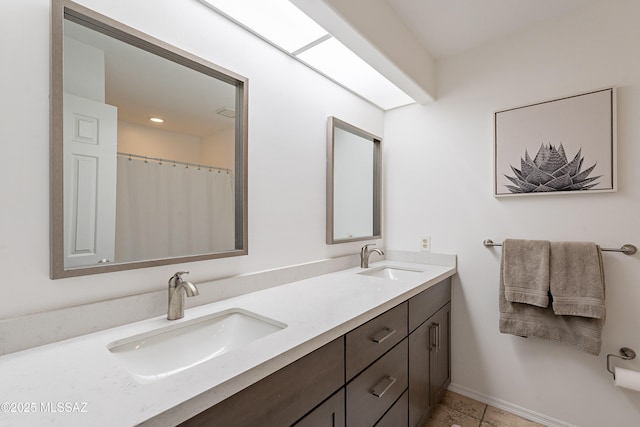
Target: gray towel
{"x": 526, "y": 271}
{"x": 577, "y": 279}
{"x": 526, "y": 320}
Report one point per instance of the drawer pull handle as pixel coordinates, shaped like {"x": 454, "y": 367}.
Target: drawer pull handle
{"x": 383, "y": 386}
{"x": 382, "y": 335}
{"x": 433, "y": 345}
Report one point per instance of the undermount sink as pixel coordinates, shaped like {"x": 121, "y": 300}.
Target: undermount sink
{"x": 392, "y": 273}
{"x": 162, "y": 352}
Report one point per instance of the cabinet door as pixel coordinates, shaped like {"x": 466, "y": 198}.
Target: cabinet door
{"x": 329, "y": 414}
{"x": 419, "y": 374}
{"x": 440, "y": 349}
{"x": 429, "y": 365}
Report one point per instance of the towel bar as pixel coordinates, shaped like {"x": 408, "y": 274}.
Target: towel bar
{"x": 627, "y": 248}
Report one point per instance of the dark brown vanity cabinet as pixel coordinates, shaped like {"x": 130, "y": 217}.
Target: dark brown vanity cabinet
{"x": 388, "y": 372}
{"x": 429, "y": 350}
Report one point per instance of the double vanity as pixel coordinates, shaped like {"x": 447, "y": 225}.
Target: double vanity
{"x": 361, "y": 346}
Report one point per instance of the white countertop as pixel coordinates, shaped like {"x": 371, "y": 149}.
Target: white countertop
{"x": 78, "y": 382}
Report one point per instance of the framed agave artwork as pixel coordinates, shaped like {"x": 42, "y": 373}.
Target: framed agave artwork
{"x": 562, "y": 146}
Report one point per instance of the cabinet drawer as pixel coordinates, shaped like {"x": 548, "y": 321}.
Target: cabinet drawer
{"x": 397, "y": 415}
{"x": 284, "y": 396}
{"x": 372, "y": 392}
{"x": 368, "y": 342}
{"x": 427, "y": 302}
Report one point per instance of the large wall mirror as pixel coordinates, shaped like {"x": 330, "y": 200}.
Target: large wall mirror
{"x": 353, "y": 183}
{"x": 148, "y": 150}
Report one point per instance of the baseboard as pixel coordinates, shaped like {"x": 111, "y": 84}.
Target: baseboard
{"x": 509, "y": 407}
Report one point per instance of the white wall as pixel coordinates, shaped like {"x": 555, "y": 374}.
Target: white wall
{"x": 288, "y": 108}
{"x": 438, "y": 161}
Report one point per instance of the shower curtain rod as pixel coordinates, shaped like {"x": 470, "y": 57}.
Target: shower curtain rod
{"x": 173, "y": 162}
{"x": 627, "y": 249}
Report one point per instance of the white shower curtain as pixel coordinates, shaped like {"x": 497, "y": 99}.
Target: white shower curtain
{"x": 165, "y": 210}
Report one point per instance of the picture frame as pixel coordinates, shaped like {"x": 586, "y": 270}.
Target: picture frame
{"x": 561, "y": 146}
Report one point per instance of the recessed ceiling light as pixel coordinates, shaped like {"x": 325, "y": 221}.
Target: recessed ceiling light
{"x": 156, "y": 119}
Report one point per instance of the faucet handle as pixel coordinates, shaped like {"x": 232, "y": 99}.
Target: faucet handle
{"x": 177, "y": 277}
{"x": 365, "y": 248}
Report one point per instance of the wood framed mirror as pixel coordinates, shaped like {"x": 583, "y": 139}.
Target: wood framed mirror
{"x": 148, "y": 150}
{"x": 353, "y": 183}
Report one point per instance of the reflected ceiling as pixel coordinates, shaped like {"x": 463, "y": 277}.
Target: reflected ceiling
{"x": 140, "y": 94}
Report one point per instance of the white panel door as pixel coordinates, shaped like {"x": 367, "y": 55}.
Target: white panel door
{"x": 90, "y": 151}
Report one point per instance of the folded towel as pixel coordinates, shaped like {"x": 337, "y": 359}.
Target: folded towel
{"x": 577, "y": 279}
{"x": 526, "y": 271}
{"x": 526, "y": 320}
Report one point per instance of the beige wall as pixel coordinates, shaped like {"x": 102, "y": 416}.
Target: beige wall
{"x": 218, "y": 149}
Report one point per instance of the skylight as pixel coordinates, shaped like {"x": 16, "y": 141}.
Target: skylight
{"x": 284, "y": 25}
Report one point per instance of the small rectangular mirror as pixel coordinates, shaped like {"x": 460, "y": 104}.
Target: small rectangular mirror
{"x": 353, "y": 183}
{"x": 148, "y": 150}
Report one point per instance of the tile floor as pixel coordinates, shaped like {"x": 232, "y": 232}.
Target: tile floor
{"x": 466, "y": 412}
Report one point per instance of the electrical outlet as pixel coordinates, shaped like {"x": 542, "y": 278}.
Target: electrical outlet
{"x": 425, "y": 243}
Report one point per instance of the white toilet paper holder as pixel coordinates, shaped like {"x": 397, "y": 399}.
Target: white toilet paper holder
{"x": 626, "y": 353}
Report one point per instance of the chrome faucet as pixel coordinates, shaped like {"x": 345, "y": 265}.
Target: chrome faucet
{"x": 176, "y": 296}
{"x": 365, "y": 253}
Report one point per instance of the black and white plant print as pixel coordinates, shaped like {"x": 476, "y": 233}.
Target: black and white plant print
{"x": 551, "y": 171}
